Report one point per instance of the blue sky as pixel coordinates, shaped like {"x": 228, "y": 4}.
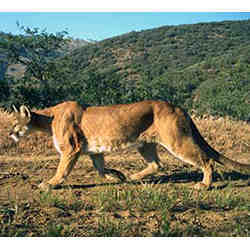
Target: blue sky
{"x": 101, "y": 25}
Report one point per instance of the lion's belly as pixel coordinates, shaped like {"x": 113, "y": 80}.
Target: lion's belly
{"x": 97, "y": 146}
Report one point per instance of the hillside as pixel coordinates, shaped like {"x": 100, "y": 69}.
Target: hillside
{"x": 151, "y": 53}
{"x": 202, "y": 67}
{"x": 176, "y": 63}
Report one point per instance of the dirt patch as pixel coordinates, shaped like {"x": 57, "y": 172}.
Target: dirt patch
{"x": 87, "y": 205}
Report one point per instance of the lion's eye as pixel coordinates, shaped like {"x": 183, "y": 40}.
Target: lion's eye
{"x": 16, "y": 128}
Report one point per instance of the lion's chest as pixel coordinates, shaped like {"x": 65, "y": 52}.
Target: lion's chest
{"x": 56, "y": 144}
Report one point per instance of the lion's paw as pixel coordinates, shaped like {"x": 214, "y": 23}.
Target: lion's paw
{"x": 110, "y": 178}
{"x": 44, "y": 186}
{"x": 201, "y": 186}
{"x": 134, "y": 177}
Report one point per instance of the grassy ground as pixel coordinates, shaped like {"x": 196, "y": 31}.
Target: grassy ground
{"x": 86, "y": 205}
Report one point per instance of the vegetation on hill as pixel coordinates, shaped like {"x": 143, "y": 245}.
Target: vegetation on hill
{"x": 202, "y": 67}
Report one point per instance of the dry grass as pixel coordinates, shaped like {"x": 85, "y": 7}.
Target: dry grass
{"x": 89, "y": 206}
{"x": 36, "y": 145}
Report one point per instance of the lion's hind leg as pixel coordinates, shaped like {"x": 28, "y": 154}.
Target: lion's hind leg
{"x": 207, "y": 169}
{"x": 191, "y": 153}
{"x": 178, "y": 137}
{"x": 99, "y": 164}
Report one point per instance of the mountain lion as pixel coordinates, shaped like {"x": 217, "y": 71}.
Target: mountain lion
{"x": 96, "y": 130}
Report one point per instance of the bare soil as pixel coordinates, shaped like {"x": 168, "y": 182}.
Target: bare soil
{"x": 87, "y": 205}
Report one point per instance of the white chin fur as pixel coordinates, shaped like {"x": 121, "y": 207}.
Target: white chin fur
{"x": 14, "y": 138}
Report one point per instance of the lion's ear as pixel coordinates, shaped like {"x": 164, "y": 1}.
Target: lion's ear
{"x": 14, "y": 108}
{"x": 25, "y": 112}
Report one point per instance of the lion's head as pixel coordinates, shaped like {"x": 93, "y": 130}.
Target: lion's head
{"x": 21, "y": 122}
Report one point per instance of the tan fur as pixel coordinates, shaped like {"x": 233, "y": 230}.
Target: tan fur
{"x": 97, "y": 130}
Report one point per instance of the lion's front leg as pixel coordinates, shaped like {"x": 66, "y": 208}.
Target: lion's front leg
{"x": 99, "y": 164}
{"x": 69, "y": 146}
{"x": 64, "y": 168}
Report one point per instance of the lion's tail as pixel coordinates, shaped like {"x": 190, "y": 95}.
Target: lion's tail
{"x": 212, "y": 153}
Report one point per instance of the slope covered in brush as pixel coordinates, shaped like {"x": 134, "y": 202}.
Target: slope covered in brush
{"x": 202, "y": 67}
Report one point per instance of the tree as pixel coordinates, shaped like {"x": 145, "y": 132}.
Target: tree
{"x": 36, "y": 50}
